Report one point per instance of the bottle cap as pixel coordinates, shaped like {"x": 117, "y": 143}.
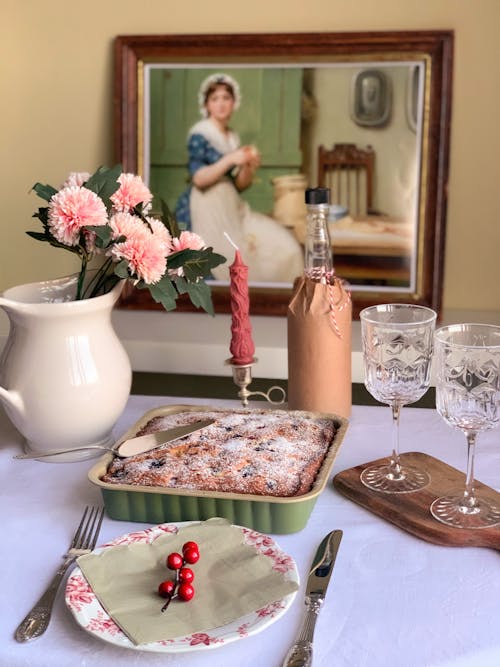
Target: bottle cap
{"x": 318, "y": 196}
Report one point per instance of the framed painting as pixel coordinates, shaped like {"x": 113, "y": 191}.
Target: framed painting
{"x": 294, "y": 95}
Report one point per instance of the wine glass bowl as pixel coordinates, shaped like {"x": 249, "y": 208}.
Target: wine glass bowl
{"x": 397, "y": 351}
{"x": 468, "y": 399}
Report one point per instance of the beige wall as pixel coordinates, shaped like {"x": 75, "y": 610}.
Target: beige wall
{"x": 56, "y": 110}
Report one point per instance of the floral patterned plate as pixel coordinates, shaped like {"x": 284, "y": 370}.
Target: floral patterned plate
{"x": 89, "y": 613}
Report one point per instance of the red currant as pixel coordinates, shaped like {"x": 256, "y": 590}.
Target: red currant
{"x": 190, "y": 545}
{"x": 185, "y": 592}
{"x": 181, "y": 588}
{"x": 166, "y": 588}
{"x": 191, "y": 556}
{"x": 186, "y": 575}
{"x": 175, "y": 561}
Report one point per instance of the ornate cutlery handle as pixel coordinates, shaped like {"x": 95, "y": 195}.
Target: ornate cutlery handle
{"x": 300, "y": 653}
{"x": 38, "y": 619}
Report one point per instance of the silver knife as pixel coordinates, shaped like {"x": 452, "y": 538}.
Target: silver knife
{"x": 145, "y": 443}
{"x": 300, "y": 654}
{"x": 132, "y": 446}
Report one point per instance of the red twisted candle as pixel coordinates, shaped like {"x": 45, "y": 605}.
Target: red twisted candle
{"x": 242, "y": 347}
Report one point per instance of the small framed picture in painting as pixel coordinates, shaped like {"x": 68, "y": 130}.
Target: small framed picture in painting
{"x": 371, "y": 98}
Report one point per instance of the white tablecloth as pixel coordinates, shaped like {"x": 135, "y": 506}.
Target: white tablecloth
{"x": 393, "y": 600}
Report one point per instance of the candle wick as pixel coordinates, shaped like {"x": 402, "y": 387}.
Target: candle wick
{"x": 231, "y": 241}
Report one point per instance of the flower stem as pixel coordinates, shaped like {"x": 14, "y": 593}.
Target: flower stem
{"x": 81, "y": 277}
{"x": 98, "y": 280}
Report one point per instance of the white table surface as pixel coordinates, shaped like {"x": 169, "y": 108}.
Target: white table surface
{"x": 393, "y": 600}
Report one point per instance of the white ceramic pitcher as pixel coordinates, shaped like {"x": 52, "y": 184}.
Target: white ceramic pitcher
{"x": 64, "y": 374}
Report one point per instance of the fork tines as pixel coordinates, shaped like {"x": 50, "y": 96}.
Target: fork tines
{"x": 88, "y": 530}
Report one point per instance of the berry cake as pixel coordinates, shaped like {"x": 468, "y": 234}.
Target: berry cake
{"x": 268, "y": 452}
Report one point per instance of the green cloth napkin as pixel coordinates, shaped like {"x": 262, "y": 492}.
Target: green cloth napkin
{"x": 231, "y": 579}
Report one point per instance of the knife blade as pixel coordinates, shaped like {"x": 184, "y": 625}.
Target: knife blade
{"x": 132, "y": 446}
{"x": 145, "y": 443}
{"x": 300, "y": 653}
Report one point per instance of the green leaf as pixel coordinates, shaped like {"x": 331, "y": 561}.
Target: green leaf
{"x": 44, "y": 191}
{"x": 43, "y": 215}
{"x": 177, "y": 259}
{"x": 104, "y": 183}
{"x": 164, "y": 292}
{"x": 196, "y": 263}
{"x": 138, "y": 212}
{"x": 181, "y": 285}
{"x": 48, "y": 238}
{"x": 169, "y": 220}
{"x": 215, "y": 259}
{"x": 199, "y": 263}
{"x": 103, "y": 234}
{"x": 121, "y": 269}
{"x": 201, "y": 296}
{"x": 39, "y": 236}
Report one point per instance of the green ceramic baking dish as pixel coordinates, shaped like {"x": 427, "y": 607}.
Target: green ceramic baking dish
{"x": 266, "y": 514}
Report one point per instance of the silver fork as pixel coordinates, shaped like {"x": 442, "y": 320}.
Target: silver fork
{"x": 83, "y": 542}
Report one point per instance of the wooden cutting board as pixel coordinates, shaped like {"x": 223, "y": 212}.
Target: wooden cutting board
{"x": 410, "y": 511}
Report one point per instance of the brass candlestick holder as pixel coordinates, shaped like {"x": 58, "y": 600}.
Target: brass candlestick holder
{"x": 242, "y": 377}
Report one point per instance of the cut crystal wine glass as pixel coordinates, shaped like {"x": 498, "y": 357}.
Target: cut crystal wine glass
{"x": 468, "y": 399}
{"x": 397, "y": 352}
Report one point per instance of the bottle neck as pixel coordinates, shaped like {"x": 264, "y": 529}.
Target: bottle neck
{"x": 318, "y": 249}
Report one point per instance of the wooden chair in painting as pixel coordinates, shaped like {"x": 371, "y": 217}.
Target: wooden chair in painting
{"x": 348, "y": 171}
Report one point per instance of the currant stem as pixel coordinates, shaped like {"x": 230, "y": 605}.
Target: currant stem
{"x": 174, "y": 594}
{"x": 167, "y": 603}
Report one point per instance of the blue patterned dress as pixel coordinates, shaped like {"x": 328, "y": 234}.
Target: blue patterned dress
{"x": 201, "y": 153}
{"x": 272, "y": 253}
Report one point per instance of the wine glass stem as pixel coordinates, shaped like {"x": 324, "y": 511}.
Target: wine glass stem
{"x": 395, "y": 462}
{"x": 469, "y": 497}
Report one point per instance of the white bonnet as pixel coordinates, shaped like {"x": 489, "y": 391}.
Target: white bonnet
{"x": 218, "y": 78}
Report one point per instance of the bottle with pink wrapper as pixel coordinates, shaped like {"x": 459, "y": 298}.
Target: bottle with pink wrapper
{"x": 319, "y": 323}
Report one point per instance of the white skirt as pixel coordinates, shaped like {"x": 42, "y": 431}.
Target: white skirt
{"x": 272, "y": 253}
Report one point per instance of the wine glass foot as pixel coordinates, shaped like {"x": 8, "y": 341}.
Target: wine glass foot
{"x": 453, "y": 511}
{"x": 383, "y": 478}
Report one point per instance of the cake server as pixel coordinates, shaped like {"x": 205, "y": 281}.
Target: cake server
{"x": 132, "y": 446}
{"x": 300, "y": 654}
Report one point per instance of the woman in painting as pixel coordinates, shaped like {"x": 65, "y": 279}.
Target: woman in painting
{"x": 220, "y": 168}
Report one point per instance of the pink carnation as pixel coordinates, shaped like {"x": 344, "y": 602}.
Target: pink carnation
{"x": 143, "y": 251}
{"x": 161, "y": 234}
{"x": 188, "y": 241}
{"x": 130, "y": 226}
{"x": 132, "y": 191}
{"x": 126, "y": 224}
{"x": 145, "y": 258}
{"x": 77, "y": 178}
{"x": 71, "y": 209}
